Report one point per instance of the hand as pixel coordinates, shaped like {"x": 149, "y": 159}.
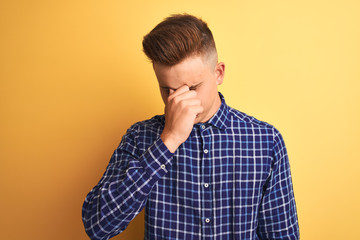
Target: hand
{"x": 181, "y": 109}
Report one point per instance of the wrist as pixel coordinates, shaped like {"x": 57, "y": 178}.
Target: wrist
{"x": 170, "y": 141}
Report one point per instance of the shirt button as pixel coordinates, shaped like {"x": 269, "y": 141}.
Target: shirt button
{"x": 203, "y": 126}
{"x": 163, "y": 166}
{"x": 207, "y": 220}
{"x": 206, "y": 185}
{"x": 206, "y": 151}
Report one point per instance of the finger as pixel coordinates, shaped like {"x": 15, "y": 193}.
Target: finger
{"x": 195, "y": 110}
{"x": 198, "y": 109}
{"x": 184, "y": 96}
{"x": 173, "y": 93}
{"x": 191, "y": 102}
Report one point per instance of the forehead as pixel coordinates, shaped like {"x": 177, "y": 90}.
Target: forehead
{"x": 188, "y": 72}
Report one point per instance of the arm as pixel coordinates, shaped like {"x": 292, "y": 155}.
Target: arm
{"x": 277, "y": 213}
{"x": 123, "y": 190}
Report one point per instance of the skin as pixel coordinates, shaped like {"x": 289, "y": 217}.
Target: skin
{"x": 190, "y": 94}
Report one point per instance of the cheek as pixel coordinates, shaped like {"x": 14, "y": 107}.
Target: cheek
{"x": 207, "y": 94}
{"x": 202, "y": 95}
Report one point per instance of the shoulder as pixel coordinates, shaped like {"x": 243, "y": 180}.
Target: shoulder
{"x": 150, "y": 128}
{"x": 141, "y": 133}
{"x": 250, "y": 124}
{"x": 246, "y": 120}
{"x": 153, "y": 123}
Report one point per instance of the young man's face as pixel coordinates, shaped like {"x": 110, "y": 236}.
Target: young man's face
{"x": 200, "y": 75}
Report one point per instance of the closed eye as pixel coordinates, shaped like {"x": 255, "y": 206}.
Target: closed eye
{"x": 166, "y": 89}
{"x": 192, "y": 88}
{"x": 195, "y": 87}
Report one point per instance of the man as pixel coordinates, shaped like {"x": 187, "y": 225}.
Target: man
{"x": 203, "y": 170}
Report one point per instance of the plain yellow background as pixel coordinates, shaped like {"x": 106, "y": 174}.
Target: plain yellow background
{"x": 73, "y": 78}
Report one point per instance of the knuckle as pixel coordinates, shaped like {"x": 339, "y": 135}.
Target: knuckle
{"x": 176, "y": 100}
{"x": 187, "y": 110}
{"x": 192, "y": 93}
{"x": 182, "y": 104}
{"x": 170, "y": 98}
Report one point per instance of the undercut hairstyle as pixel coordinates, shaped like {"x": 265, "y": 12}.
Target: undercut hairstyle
{"x": 178, "y": 37}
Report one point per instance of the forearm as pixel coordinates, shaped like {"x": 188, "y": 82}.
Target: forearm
{"x": 109, "y": 208}
{"x": 121, "y": 195}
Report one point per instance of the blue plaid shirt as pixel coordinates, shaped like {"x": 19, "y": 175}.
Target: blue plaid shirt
{"x": 230, "y": 180}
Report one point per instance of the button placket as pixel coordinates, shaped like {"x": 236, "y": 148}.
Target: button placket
{"x": 207, "y": 211}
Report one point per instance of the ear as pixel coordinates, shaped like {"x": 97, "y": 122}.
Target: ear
{"x": 220, "y": 72}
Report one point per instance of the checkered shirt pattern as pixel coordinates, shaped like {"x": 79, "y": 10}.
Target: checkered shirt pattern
{"x": 229, "y": 180}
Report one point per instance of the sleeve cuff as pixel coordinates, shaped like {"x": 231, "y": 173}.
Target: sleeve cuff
{"x": 156, "y": 161}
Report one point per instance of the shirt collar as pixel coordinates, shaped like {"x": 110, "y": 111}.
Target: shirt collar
{"x": 220, "y": 118}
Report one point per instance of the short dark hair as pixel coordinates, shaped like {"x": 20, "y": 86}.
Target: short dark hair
{"x": 178, "y": 37}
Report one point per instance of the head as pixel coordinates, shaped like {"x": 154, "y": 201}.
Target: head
{"x": 183, "y": 52}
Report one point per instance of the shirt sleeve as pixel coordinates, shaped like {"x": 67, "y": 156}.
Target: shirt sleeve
{"x": 123, "y": 189}
{"x": 277, "y": 214}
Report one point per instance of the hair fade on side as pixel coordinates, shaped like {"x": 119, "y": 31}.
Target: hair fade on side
{"x": 176, "y": 38}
